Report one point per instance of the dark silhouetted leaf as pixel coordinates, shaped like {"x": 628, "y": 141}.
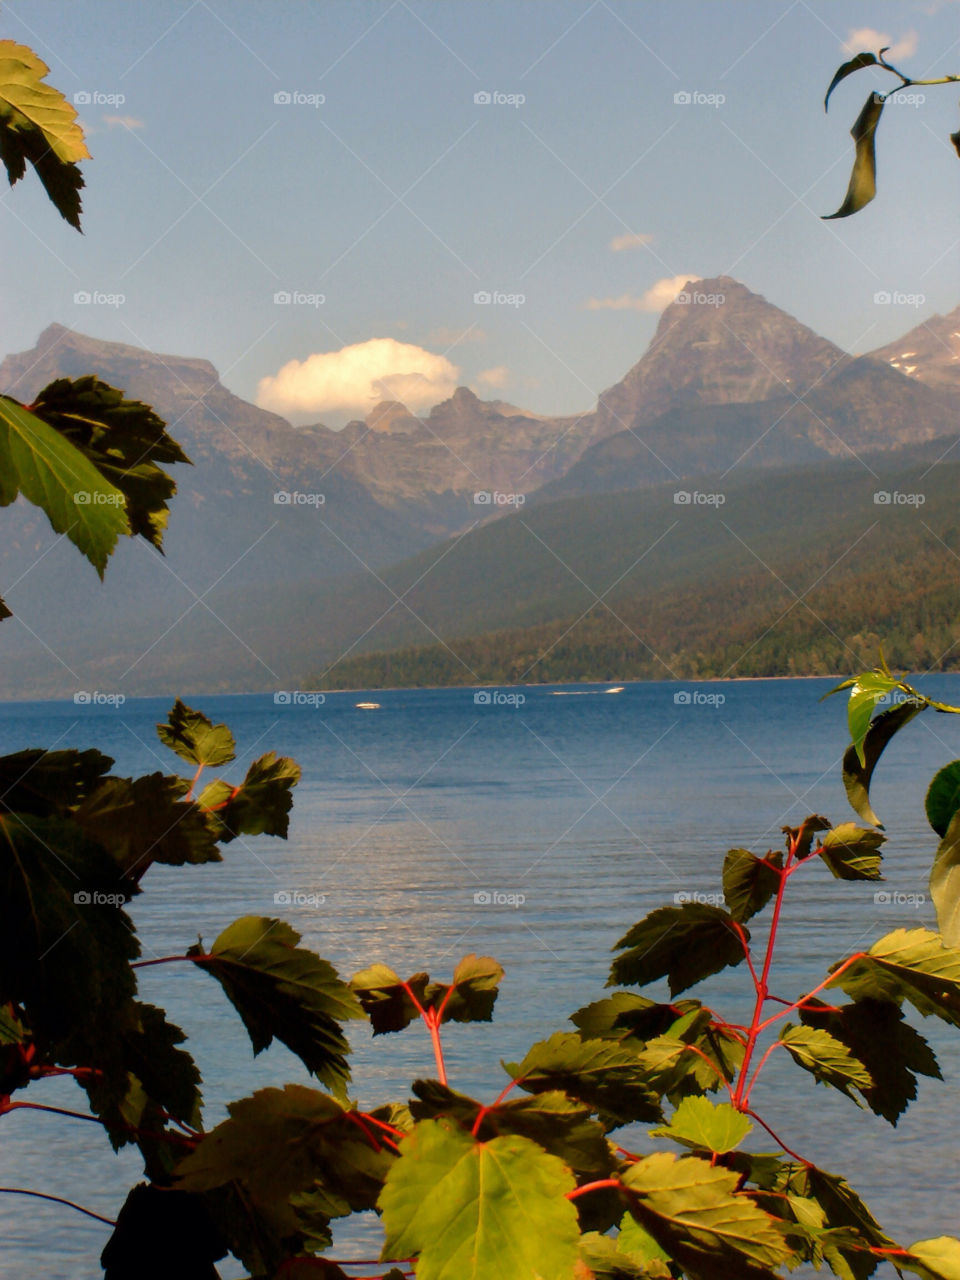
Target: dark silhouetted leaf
{"x": 749, "y": 882}
{"x": 684, "y": 944}
{"x": 862, "y": 188}
{"x": 38, "y": 124}
{"x": 628, "y": 1015}
{"x": 907, "y": 965}
{"x": 890, "y": 1049}
{"x": 802, "y": 837}
{"x": 195, "y": 738}
{"x": 855, "y": 64}
{"x": 607, "y": 1077}
{"x": 49, "y": 783}
{"x": 160, "y": 1234}
{"x": 483, "y": 1210}
{"x": 385, "y": 998}
{"x": 282, "y": 990}
{"x": 943, "y": 797}
{"x": 858, "y": 773}
{"x": 261, "y": 805}
{"x": 851, "y": 852}
{"x": 124, "y": 439}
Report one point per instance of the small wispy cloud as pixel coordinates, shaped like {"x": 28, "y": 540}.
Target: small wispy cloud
{"x": 630, "y": 240}
{"x": 657, "y": 298}
{"x": 123, "y": 122}
{"x": 498, "y": 376}
{"x": 869, "y": 40}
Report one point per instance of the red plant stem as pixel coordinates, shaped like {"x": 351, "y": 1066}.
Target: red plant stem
{"x": 797, "y": 1004}
{"x": 354, "y": 1118}
{"x": 770, "y": 1049}
{"x": 710, "y": 1063}
{"x": 42, "y": 1195}
{"x": 762, "y": 985}
{"x": 779, "y": 1141}
{"x": 433, "y": 1026}
{"x": 747, "y": 956}
{"x": 592, "y": 1186}
{"x": 382, "y": 1124}
{"x": 193, "y": 782}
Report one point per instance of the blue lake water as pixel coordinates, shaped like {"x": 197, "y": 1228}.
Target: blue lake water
{"x": 413, "y": 826}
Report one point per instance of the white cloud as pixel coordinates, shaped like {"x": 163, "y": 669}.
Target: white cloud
{"x": 869, "y": 40}
{"x": 657, "y": 298}
{"x": 127, "y": 122}
{"x": 354, "y": 378}
{"x": 630, "y": 240}
{"x": 498, "y": 376}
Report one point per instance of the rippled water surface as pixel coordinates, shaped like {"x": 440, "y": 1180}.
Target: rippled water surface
{"x": 538, "y": 833}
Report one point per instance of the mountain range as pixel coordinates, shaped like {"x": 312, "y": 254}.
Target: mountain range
{"x": 735, "y": 404}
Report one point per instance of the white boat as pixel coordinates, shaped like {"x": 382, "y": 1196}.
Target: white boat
{"x": 368, "y": 706}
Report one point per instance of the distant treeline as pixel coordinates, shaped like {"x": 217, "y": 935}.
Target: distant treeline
{"x": 757, "y": 624}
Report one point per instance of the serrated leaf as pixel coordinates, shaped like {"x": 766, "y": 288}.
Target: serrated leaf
{"x": 695, "y": 1213}
{"x": 854, "y": 1230}
{"x": 284, "y": 991}
{"x": 161, "y": 1232}
{"x": 385, "y": 998}
{"x": 291, "y": 1158}
{"x": 54, "y": 475}
{"x": 702, "y": 1125}
{"x": 907, "y": 965}
{"x": 749, "y": 882}
{"x": 943, "y": 797}
{"x": 38, "y": 124}
{"x": 636, "y": 1241}
{"x": 194, "y": 737}
{"x": 857, "y": 772}
{"x": 851, "y": 852}
{"x": 827, "y": 1059}
{"x": 140, "y": 821}
{"x": 801, "y": 838}
{"x": 49, "y": 783}
{"x": 607, "y": 1077}
{"x": 606, "y": 1260}
{"x": 676, "y": 1068}
{"x": 936, "y": 1259}
{"x": 476, "y": 981}
{"x": 684, "y": 944}
{"x": 856, "y": 63}
{"x": 891, "y": 1050}
{"x": 261, "y": 805}
{"x": 863, "y": 179}
{"x": 124, "y": 439}
{"x": 557, "y": 1123}
{"x": 478, "y": 1211}
{"x": 945, "y": 883}
{"x": 628, "y": 1015}
{"x": 865, "y": 692}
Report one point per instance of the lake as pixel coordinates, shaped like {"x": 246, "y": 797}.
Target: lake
{"x": 537, "y": 832}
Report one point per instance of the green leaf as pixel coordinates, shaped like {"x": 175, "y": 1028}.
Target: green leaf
{"x": 559, "y": 1124}
{"x": 863, "y": 179}
{"x": 827, "y": 1059}
{"x": 608, "y": 1259}
{"x": 607, "y": 1077}
{"x": 195, "y": 738}
{"x": 851, "y": 1221}
{"x": 124, "y": 439}
{"x": 140, "y": 821}
{"x": 473, "y": 1210}
{"x": 801, "y": 838}
{"x": 749, "y": 882}
{"x": 38, "y": 124}
{"x": 475, "y": 986}
{"x": 54, "y": 475}
{"x": 890, "y": 1049}
{"x": 865, "y": 692}
{"x": 945, "y": 883}
{"x": 907, "y": 965}
{"x": 261, "y": 804}
{"x": 937, "y": 1259}
{"x": 943, "y": 797}
{"x": 282, "y": 990}
{"x": 12, "y": 1030}
{"x": 627, "y": 1014}
{"x": 385, "y": 999}
{"x": 697, "y": 1216}
{"x": 49, "y": 783}
{"x": 855, "y": 64}
{"x": 684, "y": 944}
{"x": 700, "y": 1124}
{"x": 851, "y": 852}
{"x": 676, "y": 1068}
{"x": 294, "y": 1158}
{"x": 858, "y": 773}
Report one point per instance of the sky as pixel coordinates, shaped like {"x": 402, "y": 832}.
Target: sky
{"x": 339, "y": 201}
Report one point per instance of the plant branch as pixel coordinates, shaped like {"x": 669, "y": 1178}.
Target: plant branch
{"x": 42, "y": 1195}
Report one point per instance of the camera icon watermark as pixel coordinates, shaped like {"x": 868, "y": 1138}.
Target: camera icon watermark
{"x": 893, "y": 898}
{"x": 298, "y": 698}
{"x": 286, "y": 498}
{"x": 695, "y": 98}
{"x": 494, "y": 98}
{"x": 296, "y": 298}
{"x": 697, "y": 698}
{"x": 94, "y": 298}
{"x": 298, "y": 898}
{"x": 498, "y": 298}
{"x": 683, "y": 896}
{"x": 493, "y": 498}
{"x": 894, "y": 498}
{"x": 497, "y": 698}
{"x": 694, "y": 498}
{"x": 295, "y": 98}
{"x": 496, "y": 898}
{"x": 86, "y": 698}
{"x": 97, "y": 98}
{"x": 895, "y": 298}
{"x": 83, "y": 498}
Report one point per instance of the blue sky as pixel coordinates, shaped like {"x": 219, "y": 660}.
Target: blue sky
{"x": 398, "y": 197}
